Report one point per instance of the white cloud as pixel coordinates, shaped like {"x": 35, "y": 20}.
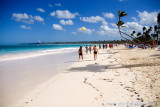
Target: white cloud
{"x": 74, "y": 33}
{"x": 57, "y": 4}
{"x": 134, "y": 18}
{"x": 40, "y": 10}
{"x": 148, "y": 18}
{"x": 92, "y": 19}
{"x": 113, "y": 24}
{"x": 105, "y": 30}
{"x": 108, "y": 15}
{"x": 69, "y": 22}
{"x": 80, "y": 31}
{"x": 133, "y": 26}
{"x": 58, "y": 27}
{"x": 25, "y": 18}
{"x": 104, "y": 23}
{"x": 25, "y": 27}
{"x": 39, "y": 18}
{"x": 53, "y": 14}
{"x": 64, "y": 14}
{"x": 87, "y": 31}
{"x": 20, "y": 16}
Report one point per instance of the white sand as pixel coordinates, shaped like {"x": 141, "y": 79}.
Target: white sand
{"x": 119, "y": 78}
{"x": 19, "y": 77}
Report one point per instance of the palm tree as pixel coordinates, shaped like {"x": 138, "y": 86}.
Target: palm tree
{"x": 121, "y": 23}
{"x": 144, "y": 28}
{"x": 132, "y": 34}
{"x": 139, "y": 34}
{"x": 158, "y": 21}
{"x": 155, "y": 29}
{"x": 158, "y": 18}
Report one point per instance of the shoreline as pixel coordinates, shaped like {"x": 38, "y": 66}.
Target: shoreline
{"x": 24, "y": 55}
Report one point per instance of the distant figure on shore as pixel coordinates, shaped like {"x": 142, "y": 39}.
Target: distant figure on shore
{"x": 90, "y": 48}
{"x": 99, "y": 46}
{"x": 80, "y": 53}
{"x": 110, "y": 46}
{"x": 103, "y": 46}
{"x": 106, "y": 46}
{"x": 95, "y": 49}
{"x": 86, "y": 49}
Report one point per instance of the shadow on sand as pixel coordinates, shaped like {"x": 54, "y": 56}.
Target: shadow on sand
{"x": 102, "y": 68}
{"x": 156, "y": 55}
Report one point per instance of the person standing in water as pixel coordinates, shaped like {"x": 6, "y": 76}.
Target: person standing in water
{"x": 80, "y": 53}
{"x": 90, "y": 48}
{"x": 86, "y": 49}
{"x": 95, "y": 49}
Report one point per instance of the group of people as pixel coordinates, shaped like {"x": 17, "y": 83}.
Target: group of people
{"x": 95, "y": 51}
{"x": 106, "y": 46}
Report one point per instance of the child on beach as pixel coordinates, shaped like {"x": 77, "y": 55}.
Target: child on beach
{"x": 95, "y": 49}
{"x": 90, "y": 48}
{"x": 80, "y": 53}
{"x": 86, "y": 49}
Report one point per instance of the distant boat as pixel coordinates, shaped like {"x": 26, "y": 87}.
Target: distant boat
{"x": 38, "y": 42}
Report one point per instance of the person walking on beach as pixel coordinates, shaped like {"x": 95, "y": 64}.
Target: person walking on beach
{"x": 99, "y": 46}
{"x": 80, "y": 53}
{"x": 86, "y": 49}
{"x": 103, "y": 46}
{"x": 90, "y": 48}
{"x": 106, "y": 46}
{"x": 95, "y": 49}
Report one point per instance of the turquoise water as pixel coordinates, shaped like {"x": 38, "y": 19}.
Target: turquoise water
{"x": 14, "y": 49}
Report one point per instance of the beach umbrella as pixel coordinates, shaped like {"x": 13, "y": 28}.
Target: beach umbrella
{"x": 83, "y": 28}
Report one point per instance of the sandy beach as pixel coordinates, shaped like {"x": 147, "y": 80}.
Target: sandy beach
{"x": 21, "y": 75}
{"x": 119, "y": 78}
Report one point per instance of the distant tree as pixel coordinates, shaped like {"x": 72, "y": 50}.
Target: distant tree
{"x": 158, "y": 30}
{"x": 132, "y": 34}
{"x": 158, "y": 18}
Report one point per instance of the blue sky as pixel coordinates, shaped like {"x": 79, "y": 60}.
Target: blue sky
{"x": 23, "y": 21}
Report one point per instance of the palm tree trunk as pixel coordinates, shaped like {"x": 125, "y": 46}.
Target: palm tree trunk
{"x": 123, "y": 36}
{"x": 130, "y": 36}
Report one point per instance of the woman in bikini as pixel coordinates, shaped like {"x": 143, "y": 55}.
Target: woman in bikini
{"x": 95, "y": 49}
{"x": 80, "y": 53}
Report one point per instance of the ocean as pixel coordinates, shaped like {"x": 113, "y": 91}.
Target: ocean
{"x": 27, "y": 48}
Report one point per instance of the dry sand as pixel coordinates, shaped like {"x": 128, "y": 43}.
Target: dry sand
{"x": 119, "y": 78}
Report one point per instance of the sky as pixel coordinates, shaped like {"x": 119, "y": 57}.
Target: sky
{"x": 26, "y": 21}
